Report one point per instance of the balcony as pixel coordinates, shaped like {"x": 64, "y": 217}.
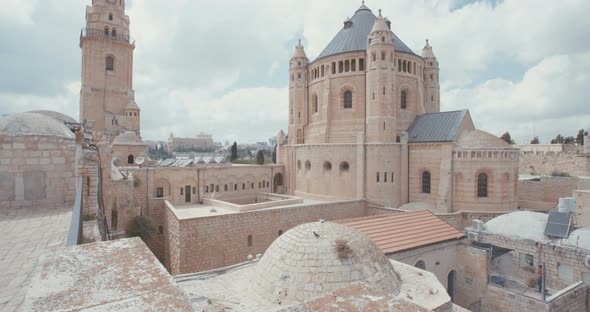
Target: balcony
{"x": 96, "y": 32}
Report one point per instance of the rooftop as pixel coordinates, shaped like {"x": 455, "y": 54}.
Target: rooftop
{"x": 33, "y": 124}
{"x": 403, "y": 231}
{"x": 354, "y": 38}
{"x": 120, "y": 275}
{"x": 436, "y": 127}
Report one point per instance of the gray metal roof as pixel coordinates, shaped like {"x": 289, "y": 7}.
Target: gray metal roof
{"x": 355, "y": 38}
{"x": 436, "y": 127}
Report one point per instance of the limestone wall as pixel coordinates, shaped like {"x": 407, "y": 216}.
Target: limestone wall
{"x": 431, "y": 158}
{"x": 211, "y": 242}
{"x": 545, "y": 164}
{"x": 499, "y": 299}
{"x": 542, "y": 195}
{"x": 37, "y": 171}
{"x": 582, "y": 208}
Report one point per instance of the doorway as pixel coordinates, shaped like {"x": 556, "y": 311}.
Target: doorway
{"x": 451, "y": 285}
{"x": 187, "y": 194}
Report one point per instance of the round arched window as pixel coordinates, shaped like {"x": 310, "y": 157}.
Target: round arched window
{"x": 327, "y": 166}
{"x": 344, "y": 166}
{"x": 307, "y": 165}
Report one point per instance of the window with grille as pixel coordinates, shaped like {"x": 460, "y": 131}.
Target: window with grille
{"x": 426, "y": 182}
{"x": 482, "y": 185}
{"x": 348, "y": 99}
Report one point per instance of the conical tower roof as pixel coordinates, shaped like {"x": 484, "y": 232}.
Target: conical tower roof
{"x": 354, "y": 38}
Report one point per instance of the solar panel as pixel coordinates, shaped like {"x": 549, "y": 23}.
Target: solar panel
{"x": 558, "y": 224}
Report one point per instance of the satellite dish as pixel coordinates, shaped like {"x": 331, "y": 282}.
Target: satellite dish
{"x": 139, "y": 160}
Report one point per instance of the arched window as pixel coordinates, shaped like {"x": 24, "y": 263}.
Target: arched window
{"x": 385, "y": 177}
{"x": 482, "y": 185}
{"x": 307, "y": 165}
{"x": 344, "y": 166}
{"x": 347, "y": 66}
{"x": 327, "y": 166}
{"x": 426, "y": 182}
{"x": 404, "y": 99}
{"x": 110, "y": 16}
{"x": 130, "y": 159}
{"x": 106, "y": 31}
{"x": 314, "y": 103}
{"x": 114, "y": 32}
{"x": 347, "y": 99}
{"x": 377, "y": 177}
{"x": 110, "y": 63}
{"x": 249, "y": 240}
{"x": 404, "y": 66}
{"x": 299, "y": 165}
{"x": 420, "y": 265}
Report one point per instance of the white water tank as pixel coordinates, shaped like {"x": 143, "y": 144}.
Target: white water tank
{"x": 567, "y": 204}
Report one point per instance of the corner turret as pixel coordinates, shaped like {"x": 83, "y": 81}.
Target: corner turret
{"x": 381, "y": 121}
{"x": 431, "y": 80}
{"x": 297, "y": 94}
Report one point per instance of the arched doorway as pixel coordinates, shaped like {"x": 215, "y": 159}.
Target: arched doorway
{"x": 451, "y": 285}
{"x": 278, "y": 183}
{"x": 420, "y": 265}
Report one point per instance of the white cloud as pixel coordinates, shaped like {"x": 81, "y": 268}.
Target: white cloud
{"x": 550, "y": 99}
{"x": 18, "y": 11}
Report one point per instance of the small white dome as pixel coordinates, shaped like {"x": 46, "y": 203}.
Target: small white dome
{"x": 579, "y": 238}
{"x": 313, "y": 259}
{"x": 33, "y": 124}
{"x": 524, "y": 224}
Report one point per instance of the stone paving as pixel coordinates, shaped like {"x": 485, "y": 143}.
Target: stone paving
{"x": 25, "y": 234}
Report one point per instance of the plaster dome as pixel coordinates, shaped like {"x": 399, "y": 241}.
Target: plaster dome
{"x": 315, "y": 258}
{"x": 55, "y": 115}
{"x": 523, "y": 224}
{"x": 579, "y": 238}
{"x": 481, "y": 139}
{"x": 21, "y": 124}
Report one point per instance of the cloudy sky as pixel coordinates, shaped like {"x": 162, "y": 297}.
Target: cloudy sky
{"x": 222, "y": 66}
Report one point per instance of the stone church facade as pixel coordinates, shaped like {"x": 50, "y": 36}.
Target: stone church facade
{"x": 365, "y": 122}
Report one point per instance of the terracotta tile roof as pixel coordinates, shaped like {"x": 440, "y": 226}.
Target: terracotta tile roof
{"x": 403, "y": 231}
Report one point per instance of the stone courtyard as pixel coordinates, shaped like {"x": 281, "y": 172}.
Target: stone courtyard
{"x": 25, "y": 234}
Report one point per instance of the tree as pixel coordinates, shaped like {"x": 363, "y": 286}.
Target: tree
{"x": 506, "y": 137}
{"x": 260, "y": 157}
{"x": 569, "y": 140}
{"x": 274, "y": 155}
{"x": 234, "y": 151}
{"x": 580, "y": 137}
{"x": 535, "y": 140}
{"x": 558, "y": 139}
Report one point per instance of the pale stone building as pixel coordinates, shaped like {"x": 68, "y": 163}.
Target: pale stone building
{"x": 107, "y": 97}
{"x": 365, "y": 122}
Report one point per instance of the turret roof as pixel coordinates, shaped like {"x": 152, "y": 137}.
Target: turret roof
{"x": 354, "y": 38}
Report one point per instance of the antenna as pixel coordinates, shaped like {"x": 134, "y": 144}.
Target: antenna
{"x": 139, "y": 160}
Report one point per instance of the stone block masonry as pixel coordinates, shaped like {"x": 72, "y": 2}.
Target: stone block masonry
{"x": 205, "y": 243}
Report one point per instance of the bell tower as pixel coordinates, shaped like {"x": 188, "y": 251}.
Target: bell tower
{"x": 297, "y": 95}
{"x": 381, "y": 120}
{"x": 107, "y": 95}
{"x": 431, "y": 82}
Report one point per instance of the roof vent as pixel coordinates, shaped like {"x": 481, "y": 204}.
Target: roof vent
{"x": 347, "y": 23}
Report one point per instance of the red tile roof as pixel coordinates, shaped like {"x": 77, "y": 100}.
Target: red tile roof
{"x": 405, "y": 230}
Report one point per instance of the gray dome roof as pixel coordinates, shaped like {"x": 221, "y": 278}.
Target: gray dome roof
{"x": 33, "y": 124}
{"x": 354, "y": 38}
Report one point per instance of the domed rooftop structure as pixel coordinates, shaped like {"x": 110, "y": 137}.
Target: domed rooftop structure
{"x": 128, "y": 138}
{"x": 353, "y": 36}
{"x": 315, "y": 258}
{"x": 579, "y": 238}
{"x": 524, "y": 224}
{"x": 33, "y": 124}
{"x": 481, "y": 139}
{"x": 55, "y": 115}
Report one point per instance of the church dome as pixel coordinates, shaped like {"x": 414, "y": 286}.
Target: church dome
{"x": 523, "y": 224}
{"x": 33, "y": 124}
{"x": 313, "y": 259}
{"x": 55, "y": 115}
{"x": 481, "y": 139}
{"x": 354, "y": 35}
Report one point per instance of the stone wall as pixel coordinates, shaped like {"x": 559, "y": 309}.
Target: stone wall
{"x": 573, "y": 299}
{"x": 211, "y": 242}
{"x": 543, "y": 194}
{"x": 472, "y": 276}
{"x": 552, "y": 255}
{"x": 499, "y": 299}
{"x": 37, "y": 171}
{"x": 582, "y": 208}
{"x": 545, "y": 164}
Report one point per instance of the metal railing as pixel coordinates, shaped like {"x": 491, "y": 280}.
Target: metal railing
{"x": 103, "y": 33}
{"x": 75, "y": 232}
